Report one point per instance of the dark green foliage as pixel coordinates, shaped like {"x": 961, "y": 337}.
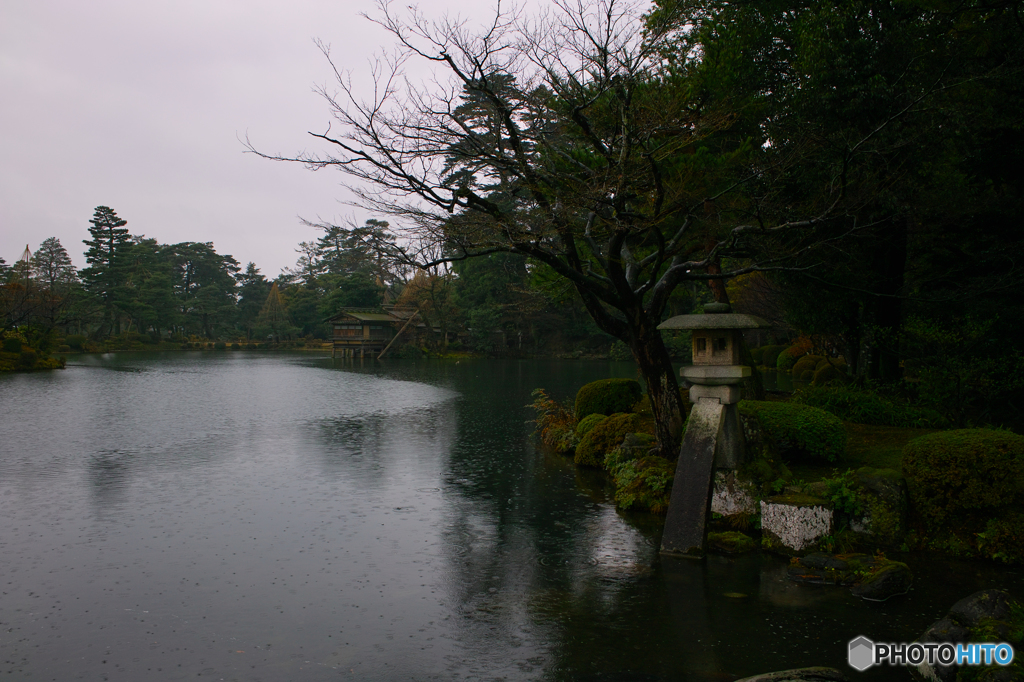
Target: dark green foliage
{"x": 842, "y": 491}
{"x": 589, "y": 422}
{"x": 864, "y": 406}
{"x": 957, "y": 477}
{"x": 555, "y": 422}
{"x": 788, "y": 357}
{"x": 604, "y": 437}
{"x": 805, "y": 432}
{"x": 806, "y": 363}
{"x": 76, "y": 341}
{"x": 12, "y": 345}
{"x": 757, "y": 354}
{"x": 409, "y": 352}
{"x": 643, "y": 484}
{"x": 27, "y": 358}
{"x": 828, "y": 374}
{"x": 770, "y": 355}
{"x": 607, "y": 396}
{"x": 619, "y": 351}
{"x": 220, "y": 345}
{"x": 1003, "y": 538}
{"x": 807, "y": 376}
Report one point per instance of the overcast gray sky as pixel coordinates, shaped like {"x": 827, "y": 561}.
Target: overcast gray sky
{"x": 140, "y": 105}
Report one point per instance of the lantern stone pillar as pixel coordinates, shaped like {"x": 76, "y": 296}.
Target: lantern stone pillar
{"x": 714, "y": 437}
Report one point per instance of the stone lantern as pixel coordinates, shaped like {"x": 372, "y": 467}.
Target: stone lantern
{"x": 714, "y": 438}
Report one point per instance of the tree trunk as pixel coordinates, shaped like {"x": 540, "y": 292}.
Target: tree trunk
{"x": 662, "y": 388}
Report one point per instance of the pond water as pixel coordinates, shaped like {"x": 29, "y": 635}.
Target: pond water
{"x": 247, "y": 516}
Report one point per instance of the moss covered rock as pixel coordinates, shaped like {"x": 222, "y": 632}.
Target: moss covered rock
{"x": 798, "y": 430}
{"x": 882, "y": 497}
{"x": 730, "y": 542}
{"x": 587, "y": 423}
{"x": 986, "y": 616}
{"x": 954, "y": 476}
{"x": 605, "y": 437}
{"x": 607, "y": 396}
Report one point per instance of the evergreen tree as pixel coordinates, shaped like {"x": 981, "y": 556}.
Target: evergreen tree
{"x": 109, "y": 240}
{"x": 55, "y": 277}
{"x": 253, "y": 288}
{"x": 204, "y": 285}
{"x": 273, "y": 320}
{"x": 147, "y": 294}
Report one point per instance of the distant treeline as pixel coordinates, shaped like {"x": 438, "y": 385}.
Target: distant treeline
{"x": 134, "y": 285}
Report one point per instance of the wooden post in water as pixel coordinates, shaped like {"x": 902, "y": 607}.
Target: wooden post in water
{"x": 414, "y": 314}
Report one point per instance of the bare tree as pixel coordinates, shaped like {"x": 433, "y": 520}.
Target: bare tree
{"x": 559, "y": 137}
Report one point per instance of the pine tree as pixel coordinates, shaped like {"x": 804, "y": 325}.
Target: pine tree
{"x": 273, "y": 320}
{"x": 55, "y": 276}
{"x": 104, "y": 275}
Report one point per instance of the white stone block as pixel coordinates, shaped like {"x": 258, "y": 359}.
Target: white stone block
{"x": 795, "y": 525}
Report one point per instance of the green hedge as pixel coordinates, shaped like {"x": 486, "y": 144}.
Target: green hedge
{"x": 863, "y": 406}
{"x": 604, "y": 437}
{"x": 757, "y": 354}
{"x": 607, "y": 396}
{"x": 798, "y": 429}
{"x": 587, "y": 423}
{"x": 955, "y": 477}
{"x": 806, "y": 363}
{"x": 787, "y": 358}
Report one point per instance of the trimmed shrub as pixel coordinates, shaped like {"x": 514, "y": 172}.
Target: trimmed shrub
{"x": 798, "y": 429}
{"x": 587, "y": 423}
{"x": 604, "y": 437}
{"x": 807, "y": 363}
{"x": 235, "y": 346}
{"x": 787, "y": 358}
{"x": 807, "y": 376}
{"x": 862, "y": 406}
{"x": 644, "y": 483}
{"x": 770, "y": 356}
{"x": 828, "y": 374}
{"x": 12, "y": 345}
{"x": 964, "y": 475}
{"x": 64, "y": 348}
{"x": 757, "y": 354}
{"x": 220, "y": 345}
{"x": 607, "y": 396}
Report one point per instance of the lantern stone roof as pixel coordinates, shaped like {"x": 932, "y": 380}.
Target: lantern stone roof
{"x": 714, "y": 321}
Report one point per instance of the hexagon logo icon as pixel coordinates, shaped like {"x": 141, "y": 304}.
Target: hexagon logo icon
{"x": 861, "y": 653}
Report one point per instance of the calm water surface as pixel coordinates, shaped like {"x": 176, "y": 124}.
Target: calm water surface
{"x": 246, "y": 516}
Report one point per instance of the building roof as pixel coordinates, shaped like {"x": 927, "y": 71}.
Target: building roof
{"x": 714, "y": 321}
{"x": 369, "y": 317}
